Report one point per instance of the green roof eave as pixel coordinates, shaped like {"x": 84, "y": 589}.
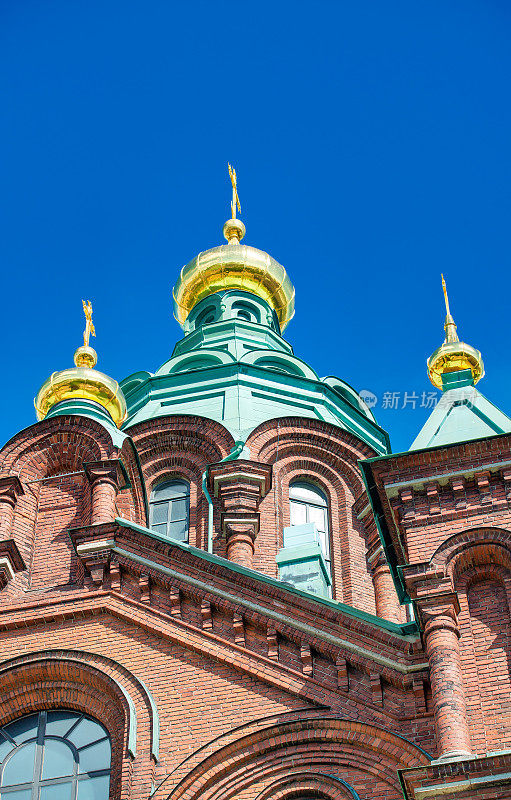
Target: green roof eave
{"x": 409, "y": 629}
{"x": 347, "y": 414}
{"x": 462, "y": 414}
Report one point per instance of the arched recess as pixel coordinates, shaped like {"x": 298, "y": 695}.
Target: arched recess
{"x": 37, "y": 455}
{"x": 318, "y": 452}
{"x": 95, "y": 685}
{"x": 270, "y": 753}
{"x": 182, "y": 447}
{"x": 29, "y": 687}
{"x": 479, "y": 564}
{"x": 320, "y": 785}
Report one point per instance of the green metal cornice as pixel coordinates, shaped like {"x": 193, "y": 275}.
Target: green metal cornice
{"x": 242, "y": 395}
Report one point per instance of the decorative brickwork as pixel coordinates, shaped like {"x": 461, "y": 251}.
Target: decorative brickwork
{"x": 214, "y": 679}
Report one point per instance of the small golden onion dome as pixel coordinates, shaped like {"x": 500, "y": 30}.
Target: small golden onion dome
{"x": 85, "y": 383}
{"x": 234, "y": 266}
{"x": 453, "y": 355}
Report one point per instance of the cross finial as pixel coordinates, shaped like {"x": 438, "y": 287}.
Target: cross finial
{"x": 89, "y": 326}
{"x": 235, "y": 202}
{"x": 450, "y": 325}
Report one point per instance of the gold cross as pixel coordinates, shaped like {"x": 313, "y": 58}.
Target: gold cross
{"x": 89, "y": 326}
{"x": 235, "y": 202}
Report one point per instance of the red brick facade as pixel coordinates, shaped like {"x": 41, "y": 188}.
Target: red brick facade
{"x": 216, "y": 681}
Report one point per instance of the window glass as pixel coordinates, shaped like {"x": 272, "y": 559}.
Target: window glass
{"x": 170, "y": 510}
{"x": 160, "y": 512}
{"x": 59, "y": 791}
{"x": 63, "y": 755}
{"x": 20, "y": 765}
{"x": 58, "y": 759}
{"x": 307, "y": 503}
{"x": 97, "y": 756}
{"x": 298, "y": 513}
{"x": 22, "y": 729}
{"x": 58, "y": 723}
{"x": 95, "y": 789}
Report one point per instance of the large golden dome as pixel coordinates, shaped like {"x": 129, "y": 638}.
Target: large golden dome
{"x": 84, "y": 383}
{"x": 234, "y": 266}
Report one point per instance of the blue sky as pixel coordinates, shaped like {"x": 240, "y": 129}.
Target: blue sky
{"x": 372, "y": 145}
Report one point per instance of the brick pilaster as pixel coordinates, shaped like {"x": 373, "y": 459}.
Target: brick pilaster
{"x": 240, "y": 486}
{"x": 438, "y": 608}
{"x": 10, "y": 490}
{"x": 105, "y": 478}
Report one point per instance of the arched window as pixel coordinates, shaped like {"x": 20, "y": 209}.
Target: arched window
{"x": 54, "y": 755}
{"x": 206, "y": 317}
{"x": 245, "y": 311}
{"x": 170, "y": 510}
{"x": 307, "y": 503}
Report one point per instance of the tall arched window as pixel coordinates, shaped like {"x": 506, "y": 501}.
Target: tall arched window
{"x": 170, "y": 510}
{"x": 54, "y": 755}
{"x": 307, "y": 503}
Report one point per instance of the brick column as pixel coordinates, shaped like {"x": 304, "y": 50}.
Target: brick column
{"x": 387, "y": 604}
{"x": 10, "y": 490}
{"x": 10, "y": 557}
{"x": 438, "y": 608}
{"x": 240, "y": 485}
{"x": 105, "y": 478}
{"x": 240, "y": 535}
{"x": 441, "y": 634}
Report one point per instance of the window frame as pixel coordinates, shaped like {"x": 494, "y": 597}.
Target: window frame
{"x": 155, "y": 503}
{"x": 37, "y": 782}
{"x": 308, "y": 504}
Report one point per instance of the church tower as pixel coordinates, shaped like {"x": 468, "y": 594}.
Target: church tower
{"x": 218, "y": 582}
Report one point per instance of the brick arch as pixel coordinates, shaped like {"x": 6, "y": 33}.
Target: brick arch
{"x": 54, "y": 447}
{"x": 473, "y": 547}
{"x": 299, "y": 784}
{"x": 351, "y": 576}
{"x": 28, "y": 688}
{"x": 212, "y": 441}
{"x": 132, "y": 502}
{"x": 484, "y": 593}
{"x": 265, "y": 439}
{"x": 66, "y": 428}
{"x": 310, "y": 744}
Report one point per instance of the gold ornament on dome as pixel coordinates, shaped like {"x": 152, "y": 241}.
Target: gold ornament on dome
{"x": 235, "y": 202}
{"x": 453, "y": 355}
{"x": 90, "y": 330}
{"x": 234, "y": 266}
{"x": 83, "y": 382}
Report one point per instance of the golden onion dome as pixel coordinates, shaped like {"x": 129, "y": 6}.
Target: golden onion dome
{"x": 234, "y": 266}
{"x": 85, "y": 383}
{"x": 453, "y": 355}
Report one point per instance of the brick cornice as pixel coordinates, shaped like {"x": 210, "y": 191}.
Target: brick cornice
{"x": 464, "y": 778}
{"x": 9, "y": 550}
{"x": 10, "y": 489}
{"x": 263, "y": 602}
{"x": 204, "y": 642}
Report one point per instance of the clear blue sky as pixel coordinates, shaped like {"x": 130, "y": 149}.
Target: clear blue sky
{"x": 372, "y": 145}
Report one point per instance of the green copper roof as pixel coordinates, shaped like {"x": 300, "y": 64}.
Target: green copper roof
{"x": 240, "y": 372}
{"x": 462, "y": 414}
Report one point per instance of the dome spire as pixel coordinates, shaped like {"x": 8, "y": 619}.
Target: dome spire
{"x": 453, "y": 355}
{"x": 450, "y": 325}
{"x": 234, "y": 229}
{"x": 82, "y": 382}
